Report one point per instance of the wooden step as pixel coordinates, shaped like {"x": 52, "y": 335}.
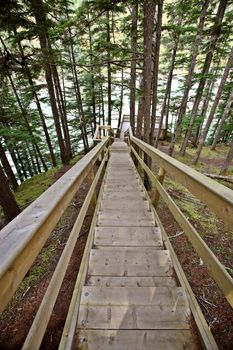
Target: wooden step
{"x": 125, "y": 187}
{"x": 105, "y": 281}
{"x": 122, "y": 196}
{"x": 125, "y": 218}
{"x": 128, "y": 236}
{"x": 133, "y": 308}
{"x": 127, "y": 204}
{"x": 134, "y": 340}
{"x": 116, "y": 262}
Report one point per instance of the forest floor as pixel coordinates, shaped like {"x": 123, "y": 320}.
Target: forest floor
{"x": 217, "y": 235}
{"x": 16, "y": 320}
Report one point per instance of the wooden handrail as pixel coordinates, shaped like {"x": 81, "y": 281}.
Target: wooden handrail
{"x": 39, "y": 325}
{"x": 218, "y": 197}
{"x": 24, "y": 237}
{"x": 97, "y": 135}
{"x": 205, "y": 189}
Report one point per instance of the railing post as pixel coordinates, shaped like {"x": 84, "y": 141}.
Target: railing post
{"x": 156, "y": 195}
{"x": 90, "y": 178}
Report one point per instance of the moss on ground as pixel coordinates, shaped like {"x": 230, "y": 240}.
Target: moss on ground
{"x": 192, "y": 207}
{"x": 31, "y": 189}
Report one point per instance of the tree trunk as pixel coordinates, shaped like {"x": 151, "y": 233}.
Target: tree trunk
{"x": 43, "y": 123}
{"x": 62, "y": 109}
{"x": 40, "y": 16}
{"x": 156, "y": 70}
{"x": 204, "y": 109}
{"x": 213, "y": 41}
{"x": 7, "y": 167}
{"x": 78, "y": 95}
{"x": 166, "y": 99}
{"x": 102, "y": 101}
{"x": 148, "y": 20}
{"x": 26, "y": 160}
{"x": 228, "y": 160}
{"x": 28, "y": 75}
{"x": 93, "y": 97}
{"x": 25, "y": 117}
{"x": 139, "y": 118}
{"x": 7, "y": 200}
{"x": 109, "y": 69}
{"x": 214, "y": 106}
{"x": 222, "y": 120}
{"x": 188, "y": 82}
{"x": 37, "y": 160}
{"x": 16, "y": 163}
{"x": 121, "y": 98}
{"x": 21, "y": 162}
{"x": 35, "y": 171}
{"x": 134, "y": 19}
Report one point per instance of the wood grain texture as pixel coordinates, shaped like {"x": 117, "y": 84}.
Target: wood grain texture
{"x": 134, "y": 340}
{"x": 128, "y": 236}
{"x": 116, "y": 262}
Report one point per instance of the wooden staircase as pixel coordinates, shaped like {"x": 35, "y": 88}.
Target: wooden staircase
{"x": 130, "y": 299}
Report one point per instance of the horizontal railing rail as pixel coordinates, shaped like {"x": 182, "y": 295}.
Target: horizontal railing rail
{"x": 100, "y": 130}
{"x": 217, "y": 197}
{"x": 24, "y": 237}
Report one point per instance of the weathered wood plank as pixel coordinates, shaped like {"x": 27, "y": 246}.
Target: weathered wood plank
{"x": 127, "y": 204}
{"x": 133, "y": 316}
{"x": 134, "y": 340}
{"x": 105, "y": 281}
{"x": 129, "y": 263}
{"x": 125, "y": 218}
{"x": 122, "y": 187}
{"x": 128, "y": 236}
{"x": 124, "y": 196}
{"x": 144, "y": 296}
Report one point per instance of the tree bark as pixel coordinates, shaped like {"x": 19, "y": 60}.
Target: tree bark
{"x": 214, "y": 106}
{"x": 62, "y": 108}
{"x": 78, "y": 95}
{"x": 40, "y": 16}
{"x": 222, "y": 120}
{"x": 25, "y": 117}
{"x": 156, "y": 70}
{"x": 188, "y": 81}
{"x": 35, "y": 170}
{"x": 21, "y": 162}
{"x": 109, "y": 68}
{"x": 7, "y": 168}
{"x": 228, "y": 160}
{"x": 7, "y": 200}
{"x": 28, "y": 75}
{"x": 204, "y": 109}
{"x": 148, "y": 20}
{"x": 139, "y": 118}
{"x": 166, "y": 99}
{"x": 134, "y": 19}
{"x": 121, "y": 98}
{"x": 213, "y": 41}
{"x": 93, "y": 97}
{"x": 16, "y": 163}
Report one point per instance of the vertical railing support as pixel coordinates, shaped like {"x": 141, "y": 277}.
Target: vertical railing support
{"x": 90, "y": 178}
{"x": 156, "y": 195}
